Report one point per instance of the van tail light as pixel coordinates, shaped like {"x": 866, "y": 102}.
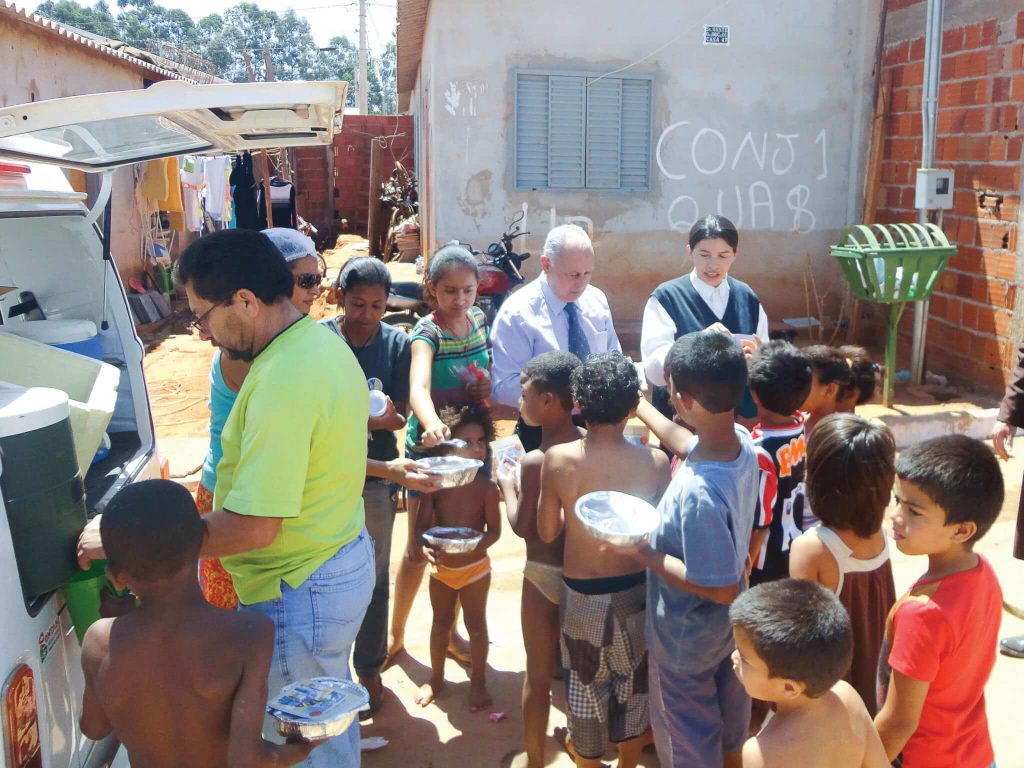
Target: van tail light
{"x": 21, "y": 720}
{"x": 14, "y": 169}
{"x": 165, "y": 469}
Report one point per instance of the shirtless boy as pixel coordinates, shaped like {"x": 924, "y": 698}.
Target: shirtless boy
{"x": 793, "y": 645}
{"x": 607, "y": 683}
{"x": 150, "y": 678}
{"x": 545, "y": 402}
{"x": 463, "y": 577}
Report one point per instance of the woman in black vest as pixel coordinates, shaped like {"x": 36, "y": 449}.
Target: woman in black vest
{"x": 704, "y": 298}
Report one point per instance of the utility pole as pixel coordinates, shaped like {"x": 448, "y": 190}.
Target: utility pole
{"x": 261, "y": 162}
{"x": 361, "y": 93}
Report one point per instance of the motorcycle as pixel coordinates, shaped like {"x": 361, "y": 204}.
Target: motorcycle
{"x": 499, "y": 277}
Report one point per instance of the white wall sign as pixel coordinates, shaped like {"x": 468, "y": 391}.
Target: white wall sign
{"x": 716, "y": 34}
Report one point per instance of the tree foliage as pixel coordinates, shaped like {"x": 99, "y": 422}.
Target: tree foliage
{"x": 224, "y": 39}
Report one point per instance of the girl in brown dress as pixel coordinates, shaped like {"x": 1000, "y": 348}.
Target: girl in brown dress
{"x": 850, "y": 475}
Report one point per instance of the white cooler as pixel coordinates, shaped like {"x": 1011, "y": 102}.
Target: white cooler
{"x": 91, "y": 386}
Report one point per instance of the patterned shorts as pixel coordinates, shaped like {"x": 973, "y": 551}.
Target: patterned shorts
{"x": 604, "y": 652}
{"x": 218, "y": 589}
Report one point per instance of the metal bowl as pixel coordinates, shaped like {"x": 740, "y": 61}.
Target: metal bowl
{"x": 617, "y": 518}
{"x": 333, "y": 722}
{"x": 451, "y": 471}
{"x": 454, "y": 541}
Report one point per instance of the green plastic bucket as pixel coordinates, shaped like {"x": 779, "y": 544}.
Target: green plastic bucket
{"x": 82, "y": 595}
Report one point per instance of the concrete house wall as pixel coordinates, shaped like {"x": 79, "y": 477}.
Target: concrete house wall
{"x": 769, "y": 130}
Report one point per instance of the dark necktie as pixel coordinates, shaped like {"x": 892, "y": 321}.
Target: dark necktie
{"x": 578, "y": 344}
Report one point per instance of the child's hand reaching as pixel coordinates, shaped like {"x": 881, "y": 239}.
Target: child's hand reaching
{"x": 479, "y": 388}
{"x": 507, "y": 477}
{"x": 433, "y": 435}
{"x": 432, "y": 555}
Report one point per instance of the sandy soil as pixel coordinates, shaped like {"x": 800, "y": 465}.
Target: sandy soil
{"x": 447, "y": 733}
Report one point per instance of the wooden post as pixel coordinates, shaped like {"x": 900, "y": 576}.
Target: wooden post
{"x": 876, "y": 152}
{"x": 375, "y": 221}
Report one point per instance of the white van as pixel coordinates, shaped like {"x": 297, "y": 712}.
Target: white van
{"x": 52, "y": 246}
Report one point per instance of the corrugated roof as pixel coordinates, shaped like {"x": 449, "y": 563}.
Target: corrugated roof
{"x": 412, "y": 21}
{"x": 106, "y": 46}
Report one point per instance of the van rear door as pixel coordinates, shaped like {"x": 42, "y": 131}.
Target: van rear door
{"x": 102, "y": 131}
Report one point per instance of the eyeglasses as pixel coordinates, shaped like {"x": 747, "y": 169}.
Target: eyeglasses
{"x": 308, "y": 280}
{"x": 195, "y": 325}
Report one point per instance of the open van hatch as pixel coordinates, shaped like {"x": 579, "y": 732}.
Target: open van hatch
{"x": 171, "y": 118}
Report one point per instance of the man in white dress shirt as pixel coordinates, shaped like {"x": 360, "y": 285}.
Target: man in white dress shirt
{"x": 559, "y": 311}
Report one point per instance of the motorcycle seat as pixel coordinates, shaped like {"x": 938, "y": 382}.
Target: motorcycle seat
{"x": 408, "y": 289}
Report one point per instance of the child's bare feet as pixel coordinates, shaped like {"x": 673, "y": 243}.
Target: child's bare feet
{"x": 479, "y": 697}
{"x": 428, "y": 692}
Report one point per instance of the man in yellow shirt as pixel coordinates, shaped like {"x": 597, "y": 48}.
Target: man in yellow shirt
{"x": 288, "y": 520}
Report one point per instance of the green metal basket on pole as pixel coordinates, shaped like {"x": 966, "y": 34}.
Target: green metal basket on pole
{"x": 893, "y": 264}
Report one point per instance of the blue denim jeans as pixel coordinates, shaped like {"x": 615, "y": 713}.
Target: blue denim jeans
{"x": 314, "y": 628}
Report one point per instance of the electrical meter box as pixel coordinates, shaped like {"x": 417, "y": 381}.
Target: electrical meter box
{"x": 934, "y": 189}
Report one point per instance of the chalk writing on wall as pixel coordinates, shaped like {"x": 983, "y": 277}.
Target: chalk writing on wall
{"x": 460, "y": 97}
{"x": 554, "y": 219}
{"x": 769, "y": 178}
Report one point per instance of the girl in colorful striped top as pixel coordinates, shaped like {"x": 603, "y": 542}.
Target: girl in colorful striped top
{"x": 450, "y": 358}
{"x": 450, "y": 365}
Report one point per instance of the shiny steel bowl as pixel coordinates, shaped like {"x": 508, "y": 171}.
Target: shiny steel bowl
{"x": 294, "y": 727}
{"x": 451, "y": 471}
{"x": 454, "y": 541}
{"x": 617, "y": 518}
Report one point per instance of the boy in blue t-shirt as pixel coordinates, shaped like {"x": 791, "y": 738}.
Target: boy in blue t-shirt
{"x": 697, "y": 561}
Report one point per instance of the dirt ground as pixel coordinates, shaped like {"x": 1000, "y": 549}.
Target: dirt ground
{"x": 447, "y": 733}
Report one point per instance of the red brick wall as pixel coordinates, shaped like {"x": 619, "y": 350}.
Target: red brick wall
{"x": 352, "y": 160}
{"x": 350, "y": 199}
{"x": 313, "y": 191}
{"x": 980, "y": 137}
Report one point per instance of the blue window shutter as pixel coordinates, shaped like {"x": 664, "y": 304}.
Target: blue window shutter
{"x": 531, "y": 131}
{"x": 604, "y": 129}
{"x": 635, "y": 157}
{"x": 567, "y": 102}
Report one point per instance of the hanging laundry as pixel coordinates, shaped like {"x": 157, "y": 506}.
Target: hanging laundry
{"x": 243, "y": 185}
{"x": 154, "y": 180}
{"x": 215, "y": 178}
{"x": 172, "y": 203}
{"x": 282, "y": 203}
{"x": 191, "y": 185}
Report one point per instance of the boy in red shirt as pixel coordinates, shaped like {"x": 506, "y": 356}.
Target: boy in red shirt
{"x": 941, "y": 636}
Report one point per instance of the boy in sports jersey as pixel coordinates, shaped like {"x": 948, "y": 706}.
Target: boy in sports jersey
{"x": 779, "y": 379}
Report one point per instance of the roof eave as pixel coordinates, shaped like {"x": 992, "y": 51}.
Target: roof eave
{"x": 93, "y": 43}
{"x": 412, "y": 23}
